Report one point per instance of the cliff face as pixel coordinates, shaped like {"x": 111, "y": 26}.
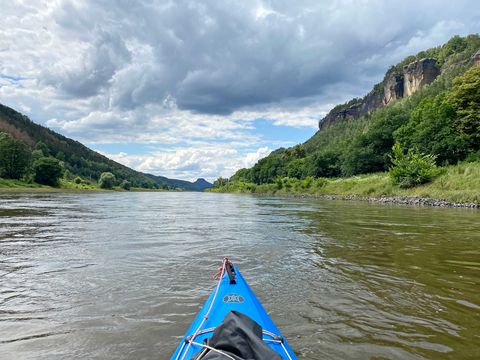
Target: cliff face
{"x": 476, "y": 58}
{"x": 354, "y": 110}
{"x": 419, "y": 73}
{"x": 395, "y": 85}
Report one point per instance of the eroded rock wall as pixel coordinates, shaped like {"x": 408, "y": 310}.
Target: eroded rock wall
{"x": 418, "y": 74}
{"x": 476, "y": 58}
{"x": 395, "y": 85}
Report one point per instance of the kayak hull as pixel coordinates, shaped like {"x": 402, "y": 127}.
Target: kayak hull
{"x": 232, "y": 297}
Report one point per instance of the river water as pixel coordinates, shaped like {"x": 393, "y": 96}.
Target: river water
{"x": 121, "y": 275}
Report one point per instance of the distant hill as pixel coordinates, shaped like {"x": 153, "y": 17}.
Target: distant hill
{"x": 79, "y": 159}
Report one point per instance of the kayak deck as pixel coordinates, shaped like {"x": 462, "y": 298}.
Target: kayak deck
{"x": 230, "y": 296}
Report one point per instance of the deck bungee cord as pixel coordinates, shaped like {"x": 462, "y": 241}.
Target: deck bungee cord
{"x": 205, "y": 318}
{"x": 236, "y": 325}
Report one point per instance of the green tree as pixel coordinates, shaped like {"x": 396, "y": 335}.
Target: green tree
{"x": 125, "y": 185}
{"x": 411, "y": 168}
{"x": 14, "y": 157}
{"x": 324, "y": 163}
{"x": 243, "y": 174}
{"x": 465, "y": 98}
{"x": 107, "y": 180}
{"x": 220, "y": 182}
{"x": 431, "y": 129}
{"x": 43, "y": 148}
{"x": 368, "y": 151}
{"x": 60, "y": 156}
{"x": 37, "y": 154}
{"x": 67, "y": 175}
{"x": 296, "y": 169}
{"x": 47, "y": 171}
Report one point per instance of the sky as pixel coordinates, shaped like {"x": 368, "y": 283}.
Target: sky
{"x": 189, "y": 89}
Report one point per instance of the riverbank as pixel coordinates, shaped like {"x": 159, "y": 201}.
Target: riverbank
{"x": 10, "y": 185}
{"x": 456, "y": 186}
{"x": 13, "y": 186}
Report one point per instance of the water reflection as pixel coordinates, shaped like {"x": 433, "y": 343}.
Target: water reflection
{"x": 121, "y": 275}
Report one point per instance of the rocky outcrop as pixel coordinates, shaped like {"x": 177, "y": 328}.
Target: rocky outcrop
{"x": 395, "y": 85}
{"x": 476, "y": 58}
{"x": 418, "y": 74}
{"x": 372, "y": 101}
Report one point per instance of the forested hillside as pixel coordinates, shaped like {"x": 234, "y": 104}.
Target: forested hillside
{"x": 76, "y": 159}
{"x": 429, "y": 103}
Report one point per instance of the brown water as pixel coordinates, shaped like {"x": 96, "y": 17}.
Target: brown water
{"x": 121, "y": 275}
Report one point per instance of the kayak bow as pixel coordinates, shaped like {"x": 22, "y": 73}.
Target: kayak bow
{"x": 231, "y": 294}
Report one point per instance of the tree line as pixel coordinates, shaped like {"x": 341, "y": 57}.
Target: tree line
{"x": 19, "y": 162}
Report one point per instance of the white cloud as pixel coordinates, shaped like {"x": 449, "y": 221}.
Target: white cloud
{"x": 196, "y": 75}
{"x": 253, "y": 157}
{"x": 202, "y": 160}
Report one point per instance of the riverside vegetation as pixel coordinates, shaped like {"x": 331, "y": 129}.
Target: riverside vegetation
{"x": 22, "y": 168}
{"x": 426, "y": 144}
{"x": 35, "y": 157}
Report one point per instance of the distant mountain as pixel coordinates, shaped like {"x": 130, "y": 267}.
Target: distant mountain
{"x": 79, "y": 159}
{"x": 198, "y": 185}
{"x": 202, "y": 184}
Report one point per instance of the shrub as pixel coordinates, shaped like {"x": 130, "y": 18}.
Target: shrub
{"x": 412, "y": 168}
{"x": 220, "y": 182}
{"x": 14, "y": 157}
{"x": 47, "y": 171}
{"x": 78, "y": 180}
{"x": 125, "y": 185}
{"x": 107, "y": 180}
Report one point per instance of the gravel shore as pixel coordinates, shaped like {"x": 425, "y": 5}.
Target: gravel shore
{"x": 418, "y": 201}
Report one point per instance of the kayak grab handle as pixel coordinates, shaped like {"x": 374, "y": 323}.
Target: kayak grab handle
{"x": 231, "y": 272}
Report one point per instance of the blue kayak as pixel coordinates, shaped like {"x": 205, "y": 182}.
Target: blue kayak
{"x": 231, "y": 298}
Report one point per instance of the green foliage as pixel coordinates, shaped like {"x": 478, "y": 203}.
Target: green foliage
{"x": 412, "y": 168}
{"x": 269, "y": 168}
{"x": 473, "y": 157}
{"x": 458, "y": 183}
{"x": 77, "y": 158}
{"x": 67, "y": 175}
{"x": 431, "y": 129}
{"x": 14, "y": 157}
{"x": 107, "y": 180}
{"x": 243, "y": 174}
{"x": 78, "y": 180}
{"x": 220, "y": 182}
{"x": 367, "y": 151}
{"x": 465, "y": 98}
{"x": 125, "y": 185}
{"x": 41, "y": 146}
{"x": 296, "y": 169}
{"x": 324, "y": 163}
{"x": 47, "y": 171}
{"x": 60, "y": 156}
{"x": 37, "y": 154}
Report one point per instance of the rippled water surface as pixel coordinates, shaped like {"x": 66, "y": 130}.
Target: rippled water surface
{"x": 121, "y": 275}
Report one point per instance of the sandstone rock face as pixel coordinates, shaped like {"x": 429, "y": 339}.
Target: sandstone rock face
{"x": 393, "y": 87}
{"x": 476, "y": 58}
{"x": 372, "y": 101}
{"x": 396, "y": 85}
{"x": 419, "y": 73}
